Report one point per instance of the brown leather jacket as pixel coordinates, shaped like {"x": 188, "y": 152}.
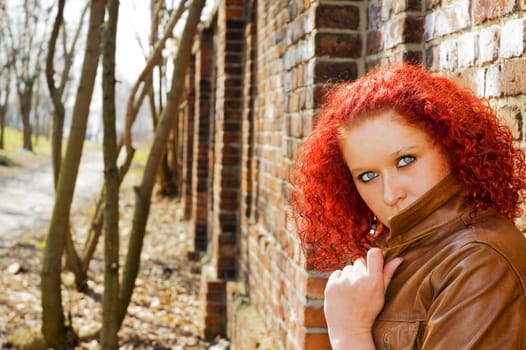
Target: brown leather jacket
{"x": 462, "y": 284}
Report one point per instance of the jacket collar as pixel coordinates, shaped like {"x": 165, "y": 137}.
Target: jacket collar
{"x": 431, "y": 206}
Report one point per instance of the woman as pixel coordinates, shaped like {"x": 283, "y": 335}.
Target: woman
{"x": 405, "y": 168}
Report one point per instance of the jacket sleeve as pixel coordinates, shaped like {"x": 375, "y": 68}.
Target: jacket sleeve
{"x": 479, "y": 303}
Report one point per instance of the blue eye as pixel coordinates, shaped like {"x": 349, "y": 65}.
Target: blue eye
{"x": 368, "y": 176}
{"x": 405, "y": 161}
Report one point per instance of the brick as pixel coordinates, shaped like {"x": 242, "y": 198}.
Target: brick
{"x": 234, "y": 12}
{"x": 335, "y": 71}
{"x": 315, "y": 287}
{"x": 337, "y": 16}
{"x": 472, "y": 78}
{"x": 310, "y": 340}
{"x": 314, "y": 317}
{"x": 512, "y": 38}
{"x": 393, "y": 33}
{"x": 214, "y": 308}
{"x": 448, "y": 57}
{"x": 414, "y": 5}
{"x": 296, "y": 126}
{"x": 390, "y": 8}
{"x": 447, "y": 20}
{"x": 217, "y": 286}
{"x": 338, "y": 45}
{"x": 490, "y": 9}
{"x": 412, "y": 57}
{"x": 413, "y": 31}
{"x": 374, "y": 41}
{"x": 506, "y": 79}
{"x": 467, "y": 49}
{"x": 489, "y": 39}
{"x": 292, "y": 103}
{"x": 374, "y": 13}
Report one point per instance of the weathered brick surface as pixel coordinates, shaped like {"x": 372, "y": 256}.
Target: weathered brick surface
{"x": 261, "y": 71}
{"x": 186, "y": 122}
{"x": 334, "y": 16}
{"x": 484, "y": 10}
{"x": 213, "y": 299}
{"x": 512, "y": 38}
{"x": 201, "y": 146}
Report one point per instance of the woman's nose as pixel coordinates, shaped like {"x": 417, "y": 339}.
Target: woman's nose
{"x": 393, "y": 190}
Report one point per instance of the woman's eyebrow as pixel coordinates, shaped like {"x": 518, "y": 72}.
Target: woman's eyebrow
{"x": 404, "y": 150}
{"x": 357, "y": 170}
{"x": 396, "y": 153}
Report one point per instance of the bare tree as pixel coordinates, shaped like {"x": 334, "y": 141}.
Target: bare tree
{"x": 24, "y": 34}
{"x": 57, "y": 91}
{"x": 110, "y": 326}
{"x": 5, "y": 88}
{"x": 53, "y": 326}
{"x": 5, "y": 78}
{"x": 117, "y": 295}
{"x": 158, "y": 148}
{"x": 141, "y": 88}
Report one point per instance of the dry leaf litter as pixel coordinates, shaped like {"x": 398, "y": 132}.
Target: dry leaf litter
{"x": 165, "y": 311}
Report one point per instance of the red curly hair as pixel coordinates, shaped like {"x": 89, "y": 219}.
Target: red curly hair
{"x": 332, "y": 219}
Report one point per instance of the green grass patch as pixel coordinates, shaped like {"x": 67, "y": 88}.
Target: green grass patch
{"x": 14, "y": 157}
{"x": 140, "y": 157}
{"x": 14, "y": 142}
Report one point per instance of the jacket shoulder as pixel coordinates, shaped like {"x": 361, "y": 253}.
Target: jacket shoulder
{"x": 499, "y": 234}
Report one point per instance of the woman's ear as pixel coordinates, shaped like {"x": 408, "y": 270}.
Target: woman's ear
{"x": 378, "y": 228}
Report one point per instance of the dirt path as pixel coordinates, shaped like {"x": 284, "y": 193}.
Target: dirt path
{"x": 165, "y": 311}
{"x": 27, "y": 196}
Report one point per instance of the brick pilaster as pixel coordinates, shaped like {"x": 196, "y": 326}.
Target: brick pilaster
{"x": 188, "y": 140}
{"x": 225, "y": 193}
{"x": 394, "y": 32}
{"x": 227, "y": 139}
{"x": 201, "y": 149}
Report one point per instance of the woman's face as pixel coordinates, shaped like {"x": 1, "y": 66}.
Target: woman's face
{"x": 392, "y": 163}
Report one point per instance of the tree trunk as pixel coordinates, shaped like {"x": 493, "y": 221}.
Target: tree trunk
{"x": 110, "y": 325}
{"x": 53, "y": 327}
{"x": 3, "y": 112}
{"x": 25, "y": 111}
{"x": 144, "y": 192}
{"x": 58, "y": 106}
{"x": 57, "y": 92}
{"x": 73, "y": 261}
{"x": 132, "y": 109}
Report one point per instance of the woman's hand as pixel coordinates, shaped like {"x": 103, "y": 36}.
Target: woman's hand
{"x": 353, "y": 298}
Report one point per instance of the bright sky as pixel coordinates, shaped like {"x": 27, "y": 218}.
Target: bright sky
{"x": 134, "y": 25}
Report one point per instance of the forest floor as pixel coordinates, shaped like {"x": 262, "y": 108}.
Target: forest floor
{"x": 165, "y": 311}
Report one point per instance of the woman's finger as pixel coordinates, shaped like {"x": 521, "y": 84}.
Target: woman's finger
{"x": 334, "y": 275}
{"x": 360, "y": 265}
{"x": 347, "y": 269}
{"x": 375, "y": 261}
{"x": 390, "y": 269}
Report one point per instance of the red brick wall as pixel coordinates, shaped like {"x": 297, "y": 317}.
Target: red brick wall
{"x": 186, "y": 118}
{"x": 201, "y": 146}
{"x": 248, "y": 163}
{"x": 260, "y": 70}
{"x": 226, "y": 191}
